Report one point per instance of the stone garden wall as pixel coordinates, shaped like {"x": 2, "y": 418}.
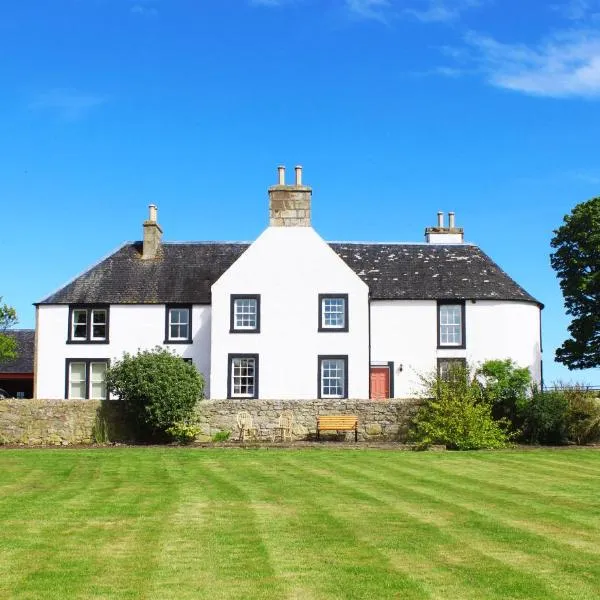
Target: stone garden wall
{"x": 65, "y": 422}
{"x": 377, "y": 420}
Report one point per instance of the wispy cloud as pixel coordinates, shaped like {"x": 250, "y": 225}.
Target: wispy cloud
{"x": 578, "y": 10}
{"x": 586, "y": 176}
{"x": 565, "y": 64}
{"x": 377, "y": 10}
{"x": 144, "y": 8}
{"x": 439, "y": 11}
{"x": 67, "y": 104}
{"x": 426, "y": 11}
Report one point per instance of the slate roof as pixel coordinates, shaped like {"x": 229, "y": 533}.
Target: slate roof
{"x": 25, "y": 344}
{"x": 186, "y": 271}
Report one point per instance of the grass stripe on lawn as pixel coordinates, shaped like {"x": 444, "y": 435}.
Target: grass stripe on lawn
{"x": 145, "y": 523}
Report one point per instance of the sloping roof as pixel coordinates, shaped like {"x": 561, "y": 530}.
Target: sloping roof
{"x": 185, "y": 272}
{"x": 430, "y": 271}
{"x": 25, "y": 348}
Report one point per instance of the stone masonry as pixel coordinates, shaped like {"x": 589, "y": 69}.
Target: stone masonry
{"x": 65, "y": 422}
{"x": 382, "y": 420}
{"x": 289, "y": 205}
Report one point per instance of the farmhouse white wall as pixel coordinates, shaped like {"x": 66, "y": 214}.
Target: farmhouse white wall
{"x": 504, "y": 330}
{"x": 132, "y": 327}
{"x": 405, "y": 331}
{"x": 289, "y": 267}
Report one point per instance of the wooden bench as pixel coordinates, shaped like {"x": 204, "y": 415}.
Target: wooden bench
{"x": 337, "y": 423}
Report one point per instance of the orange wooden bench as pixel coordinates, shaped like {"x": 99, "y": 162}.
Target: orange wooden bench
{"x": 337, "y": 423}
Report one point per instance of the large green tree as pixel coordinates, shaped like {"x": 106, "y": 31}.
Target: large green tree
{"x": 577, "y": 264}
{"x": 8, "y": 345}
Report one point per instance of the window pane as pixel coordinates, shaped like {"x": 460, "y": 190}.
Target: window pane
{"x": 333, "y": 312}
{"x": 98, "y": 380}
{"x": 77, "y": 380}
{"x": 332, "y": 377}
{"x": 179, "y": 319}
{"x": 99, "y": 316}
{"x": 79, "y": 324}
{"x": 243, "y": 377}
{"x": 245, "y": 312}
{"x": 450, "y": 324}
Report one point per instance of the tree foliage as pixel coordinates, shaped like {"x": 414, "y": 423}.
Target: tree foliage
{"x": 159, "y": 388}
{"x": 8, "y": 345}
{"x": 577, "y": 264}
{"x": 505, "y": 386}
{"x": 456, "y": 413}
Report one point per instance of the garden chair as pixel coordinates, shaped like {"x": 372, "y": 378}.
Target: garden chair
{"x": 285, "y": 425}
{"x": 245, "y": 425}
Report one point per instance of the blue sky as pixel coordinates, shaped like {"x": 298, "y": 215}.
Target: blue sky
{"x": 396, "y": 109}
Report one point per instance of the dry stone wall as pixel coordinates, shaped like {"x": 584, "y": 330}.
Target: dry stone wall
{"x": 65, "y": 422}
{"x": 381, "y": 420}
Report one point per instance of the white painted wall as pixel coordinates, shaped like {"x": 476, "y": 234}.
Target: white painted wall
{"x": 289, "y": 267}
{"x": 444, "y": 238}
{"x": 498, "y": 329}
{"x": 405, "y": 331}
{"x": 132, "y": 327}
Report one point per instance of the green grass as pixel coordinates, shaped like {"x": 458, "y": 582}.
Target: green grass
{"x": 311, "y": 524}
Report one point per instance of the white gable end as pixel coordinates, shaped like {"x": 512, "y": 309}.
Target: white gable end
{"x": 288, "y": 267}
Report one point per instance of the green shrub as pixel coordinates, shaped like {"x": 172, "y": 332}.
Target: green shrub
{"x": 545, "y": 417}
{"x": 158, "y": 388}
{"x": 505, "y": 387}
{"x": 221, "y": 436}
{"x": 184, "y": 432}
{"x": 455, "y": 413}
{"x": 583, "y": 414}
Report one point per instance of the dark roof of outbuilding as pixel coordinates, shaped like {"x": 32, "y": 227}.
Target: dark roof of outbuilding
{"x": 25, "y": 348}
{"x": 185, "y": 272}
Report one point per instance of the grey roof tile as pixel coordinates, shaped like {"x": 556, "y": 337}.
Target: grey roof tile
{"x": 185, "y": 272}
{"x": 25, "y": 349}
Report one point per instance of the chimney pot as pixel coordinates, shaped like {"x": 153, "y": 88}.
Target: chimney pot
{"x": 440, "y": 219}
{"x": 451, "y": 220}
{"x": 281, "y": 172}
{"x": 289, "y": 205}
{"x": 152, "y": 235}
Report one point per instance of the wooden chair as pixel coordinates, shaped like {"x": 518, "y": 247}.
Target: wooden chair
{"x": 285, "y": 425}
{"x": 245, "y": 425}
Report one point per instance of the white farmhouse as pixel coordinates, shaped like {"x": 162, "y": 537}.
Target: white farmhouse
{"x": 289, "y": 316}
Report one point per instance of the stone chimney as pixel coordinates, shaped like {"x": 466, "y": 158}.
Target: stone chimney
{"x": 289, "y": 205}
{"x": 152, "y": 234}
{"x": 445, "y": 235}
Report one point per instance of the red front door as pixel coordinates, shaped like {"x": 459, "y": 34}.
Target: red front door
{"x": 380, "y": 383}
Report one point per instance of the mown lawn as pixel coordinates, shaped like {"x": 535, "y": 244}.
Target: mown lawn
{"x": 308, "y": 524}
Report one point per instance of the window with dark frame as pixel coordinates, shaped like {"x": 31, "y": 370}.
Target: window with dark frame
{"x": 333, "y": 312}
{"x": 333, "y": 376}
{"x": 242, "y": 376}
{"x": 86, "y": 379}
{"x": 451, "y": 324}
{"x": 88, "y": 324}
{"x": 178, "y": 324}
{"x": 244, "y": 313}
{"x": 446, "y": 366}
